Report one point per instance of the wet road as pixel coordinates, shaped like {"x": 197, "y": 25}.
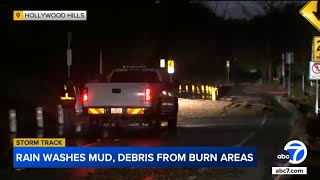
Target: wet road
{"x": 247, "y": 119}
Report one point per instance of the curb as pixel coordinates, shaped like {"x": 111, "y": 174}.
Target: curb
{"x": 296, "y": 114}
{"x": 299, "y": 125}
{"x": 297, "y": 122}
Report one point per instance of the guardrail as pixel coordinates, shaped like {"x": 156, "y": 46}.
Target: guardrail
{"x": 61, "y": 117}
{"x": 199, "y": 91}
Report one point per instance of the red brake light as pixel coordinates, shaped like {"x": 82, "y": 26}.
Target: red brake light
{"x": 147, "y": 94}
{"x": 84, "y": 95}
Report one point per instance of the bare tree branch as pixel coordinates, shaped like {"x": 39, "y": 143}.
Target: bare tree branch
{"x": 225, "y": 10}
{"x": 271, "y": 6}
{"x": 216, "y": 7}
{"x": 209, "y": 4}
{"x": 245, "y": 10}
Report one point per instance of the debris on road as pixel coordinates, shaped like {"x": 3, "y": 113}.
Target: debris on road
{"x": 226, "y": 99}
{"x": 246, "y": 107}
{"x": 200, "y": 108}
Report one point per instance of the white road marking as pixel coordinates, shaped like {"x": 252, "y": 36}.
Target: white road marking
{"x": 247, "y": 138}
{"x": 263, "y": 122}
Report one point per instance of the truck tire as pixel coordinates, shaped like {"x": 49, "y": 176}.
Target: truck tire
{"x": 114, "y": 132}
{"x": 156, "y": 126}
{"x": 95, "y": 126}
{"x": 68, "y": 117}
{"x": 172, "y": 125}
{"x": 172, "y": 122}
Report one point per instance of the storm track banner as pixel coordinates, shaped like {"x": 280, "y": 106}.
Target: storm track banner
{"x": 139, "y": 157}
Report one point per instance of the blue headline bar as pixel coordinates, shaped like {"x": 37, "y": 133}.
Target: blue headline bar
{"x": 138, "y": 157}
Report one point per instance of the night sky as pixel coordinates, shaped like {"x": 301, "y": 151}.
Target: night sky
{"x": 142, "y": 33}
{"x": 138, "y": 33}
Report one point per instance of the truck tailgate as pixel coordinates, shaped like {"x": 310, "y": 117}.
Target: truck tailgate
{"x": 118, "y": 94}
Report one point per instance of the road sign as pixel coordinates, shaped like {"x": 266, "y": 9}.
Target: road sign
{"x": 170, "y": 66}
{"x": 69, "y": 57}
{"x": 311, "y": 12}
{"x": 228, "y": 63}
{"x": 316, "y": 48}
{"x": 162, "y": 63}
{"x": 314, "y": 70}
{"x": 289, "y": 57}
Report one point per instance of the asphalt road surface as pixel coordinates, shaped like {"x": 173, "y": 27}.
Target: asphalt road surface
{"x": 241, "y": 119}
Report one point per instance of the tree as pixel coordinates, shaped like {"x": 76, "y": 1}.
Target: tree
{"x": 270, "y": 7}
{"x": 225, "y": 10}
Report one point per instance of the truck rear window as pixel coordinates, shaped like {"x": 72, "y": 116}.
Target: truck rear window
{"x": 135, "y": 77}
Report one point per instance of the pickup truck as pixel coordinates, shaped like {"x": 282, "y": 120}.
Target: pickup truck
{"x": 132, "y": 95}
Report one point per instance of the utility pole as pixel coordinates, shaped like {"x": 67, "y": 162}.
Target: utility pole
{"x": 302, "y": 83}
{"x": 69, "y": 53}
{"x": 289, "y": 80}
{"x": 228, "y": 71}
{"x": 171, "y": 68}
{"x": 100, "y": 61}
{"x": 317, "y": 98}
{"x": 283, "y": 72}
{"x": 290, "y": 60}
{"x": 269, "y": 73}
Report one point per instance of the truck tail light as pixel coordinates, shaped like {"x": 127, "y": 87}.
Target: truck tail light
{"x": 147, "y": 94}
{"x": 84, "y": 95}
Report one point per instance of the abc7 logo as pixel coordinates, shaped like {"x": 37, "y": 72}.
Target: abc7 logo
{"x": 295, "y": 152}
{"x": 283, "y": 156}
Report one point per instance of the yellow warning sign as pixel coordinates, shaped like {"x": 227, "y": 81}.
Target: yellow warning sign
{"x": 311, "y": 13}
{"x": 316, "y": 48}
{"x": 18, "y": 16}
{"x": 171, "y": 63}
{"x": 170, "y": 66}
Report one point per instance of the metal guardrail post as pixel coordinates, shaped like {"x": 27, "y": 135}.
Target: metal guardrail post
{"x": 39, "y": 117}
{"x": 40, "y": 133}
{"x": 60, "y": 130}
{"x": 60, "y": 115}
{"x": 198, "y": 91}
{"x": 11, "y": 137}
{"x": 78, "y": 127}
{"x": 12, "y": 121}
{"x": 214, "y": 93}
